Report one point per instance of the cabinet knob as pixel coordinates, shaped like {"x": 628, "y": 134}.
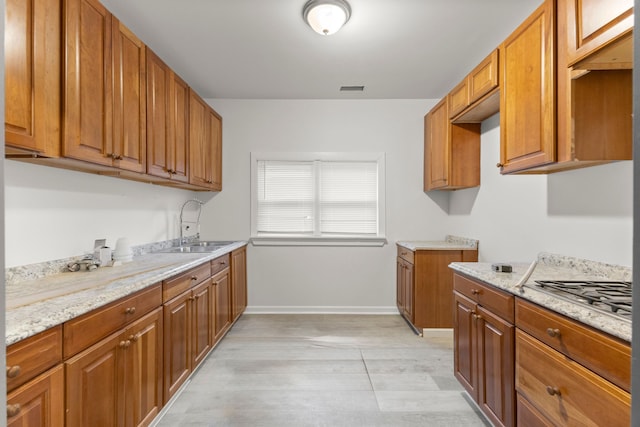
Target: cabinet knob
{"x": 13, "y": 371}
{"x": 499, "y": 165}
{"x": 475, "y": 291}
{"x": 125, "y": 344}
{"x": 553, "y": 333}
{"x": 194, "y": 278}
{"x": 130, "y": 310}
{"x": 13, "y": 410}
{"x": 134, "y": 338}
{"x": 553, "y": 391}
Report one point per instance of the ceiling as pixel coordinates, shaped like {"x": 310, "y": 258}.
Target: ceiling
{"x": 262, "y": 49}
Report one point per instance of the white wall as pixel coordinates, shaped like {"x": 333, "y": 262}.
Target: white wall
{"x": 585, "y": 213}
{"x": 54, "y": 213}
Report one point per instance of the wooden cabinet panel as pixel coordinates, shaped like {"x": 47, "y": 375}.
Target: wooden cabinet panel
{"x": 499, "y": 302}
{"x": 87, "y": 329}
{"x": 527, "y": 94}
{"x": 30, "y": 357}
{"x": 484, "y": 78}
{"x": 32, "y": 52}
{"x": 594, "y": 24}
{"x": 239, "y": 281}
{"x": 177, "y": 343}
{"x": 205, "y": 144}
{"x": 88, "y": 100}
{"x": 406, "y": 254}
{"x": 607, "y": 356}
{"x": 128, "y": 145}
{"x": 220, "y": 263}
{"x": 39, "y": 403}
{"x": 464, "y": 356}
{"x": 436, "y": 147}
{"x": 167, "y": 121}
{"x": 564, "y": 391}
{"x": 176, "y": 285}
{"x": 202, "y": 322}
{"x": 458, "y": 98}
{"x": 222, "y": 303}
{"x": 529, "y": 416}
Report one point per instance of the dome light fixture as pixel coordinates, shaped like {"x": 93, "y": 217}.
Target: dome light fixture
{"x": 326, "y": 17}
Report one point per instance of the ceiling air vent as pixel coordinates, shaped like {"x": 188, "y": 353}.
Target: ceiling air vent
{"x": 351, "y": 88}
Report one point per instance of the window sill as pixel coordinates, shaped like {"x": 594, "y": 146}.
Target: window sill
{"x": 317, "y": 241}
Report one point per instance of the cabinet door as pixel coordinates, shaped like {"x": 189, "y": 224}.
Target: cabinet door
{"x": 527, "y": 94}
{"x": 177, "y": 343}
{"x": 32, "y": 75}
{"x": 409, "y": 292}
{"x": 39, "y": 403}
{"x": 179, "y": 129}
{"x": 496, "y": 376}
{"x": 129, "y": 100}
{"x": 436, "y": 147}
{"x": 88, "y": 101}
{"x": 221, "y": 287}
{"x": 464, "y": 344}
{"x": 239, "y": 280}
{"x": 215, "y": 142}
{"x": 95, "y": 385}
{"x": 202, "y": 322}
{"x": 144, "y": 366}
{"x": 593, "y": 24}
{"x": 199, "y": 144}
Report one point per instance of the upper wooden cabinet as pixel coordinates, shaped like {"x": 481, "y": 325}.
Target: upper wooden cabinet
{"x": 205, "y": 144}
{"x": 32, "y": 75}
{"x": 527, "y": 94}
{"x": 476, "y": 97}
{"x": 451, "y": 151}
{"x": 167, "y": 121}
{"x": 105, "y": 90}
{"x": 598, "y": 33}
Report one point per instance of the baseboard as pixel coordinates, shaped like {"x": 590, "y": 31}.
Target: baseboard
{"x": 268, "y": 309}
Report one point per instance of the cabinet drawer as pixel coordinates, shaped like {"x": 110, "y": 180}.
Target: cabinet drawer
{"x": 405, "y": 254}
{"x": 564, "y": 391}
{"x": 605, "y": 355}
{"x": 180, "y": 283}
{"x": 220, "y": 263}
{"x": 499, "y": 302}
{"x": 85, "y": 330}
{"x": 30, "y": 357}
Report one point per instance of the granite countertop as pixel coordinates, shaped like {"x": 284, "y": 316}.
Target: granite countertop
{"x": 451, "y": 243}
{"x": 557, "y": 267}
{"x": 33, "y": 306}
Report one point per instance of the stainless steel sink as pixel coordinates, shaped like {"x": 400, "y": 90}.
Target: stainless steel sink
{"x": 208, "y": 243}
{"x": 198, "y": 247}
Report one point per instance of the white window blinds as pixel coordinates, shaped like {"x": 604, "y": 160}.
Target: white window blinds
{"x": 317, "y": 198}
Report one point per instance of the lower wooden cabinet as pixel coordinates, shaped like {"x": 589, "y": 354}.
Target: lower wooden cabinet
{"x": 40, "y": 402}
{"x": 238, "y": 282}
{"x": 222, "y": 303}
{"x": 484, "y": 349}
{"x": 117, "y": 381}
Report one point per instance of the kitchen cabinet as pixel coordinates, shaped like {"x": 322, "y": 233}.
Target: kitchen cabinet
{"x": 477, "y": 96}
{"x": 425, "y": 285}
{"x": 167, "y": 121}
{"x": 451, "y": 151}
{"x": 238, "y": 282}
{"x": 568, "y": 373}
{"x": 484, "y": 348}
{"x": 222, "y": 298}
{"x": 598, "y": 33}
{"x": 35, "y": 380}
{"x": 188, "y": 325}
{"x": 118, "y": 380}
{"x": 105, "y": 89}
{"x": 205, "y": 144}
{"x": 32, "y": 52}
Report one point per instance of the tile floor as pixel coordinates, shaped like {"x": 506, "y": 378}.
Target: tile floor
{"x": 324, "y": 370}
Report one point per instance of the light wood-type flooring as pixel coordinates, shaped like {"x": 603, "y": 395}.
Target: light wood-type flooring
{"x": 324, "y": 370}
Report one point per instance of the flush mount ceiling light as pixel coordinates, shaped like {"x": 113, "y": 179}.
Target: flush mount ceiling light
{"x": 326, "y": 16}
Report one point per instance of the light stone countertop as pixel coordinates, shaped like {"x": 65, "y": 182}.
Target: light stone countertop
{"x": 557, "y": 267}
{"x": 451, "y": 243}
{"x": 36, "y": 305}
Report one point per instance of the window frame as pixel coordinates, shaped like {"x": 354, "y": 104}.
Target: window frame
{"x": 266, "y": 239}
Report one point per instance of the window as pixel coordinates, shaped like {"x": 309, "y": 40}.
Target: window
{"x": 317, "y": 199}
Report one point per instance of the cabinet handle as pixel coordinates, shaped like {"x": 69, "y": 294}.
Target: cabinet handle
{"x": 130, "y": 310}
{"x": 13, "y": 371}
{"x": 553, "y": 391}
{"x": 553, "y": 333}
{"x": 194, "y": 278}
{"x": 223, "y": 262}
{"x": 125, "y": 344}
{"x": 499, "y": 165}
{"x": 191, "y": 298}
{"x": 13, "y": 410}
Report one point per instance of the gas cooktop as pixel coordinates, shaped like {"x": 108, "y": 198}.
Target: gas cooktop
{"x": 612, "y": 297}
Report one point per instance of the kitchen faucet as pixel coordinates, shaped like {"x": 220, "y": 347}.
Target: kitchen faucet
{"x": 197, "y": 222}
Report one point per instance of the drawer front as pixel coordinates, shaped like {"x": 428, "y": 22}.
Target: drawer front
{"x": 30, "y": 357}
{"x": 564, "y": 391}
{"x": 180, "y": 283}
{"x": 220, "y": 264}
{"x": 484, "y": 78}
{"x": 605, "y": 355}
{"x": 496, "y": 301}
{"x": 406, "y": 254}
{"x": 86, "y": 330}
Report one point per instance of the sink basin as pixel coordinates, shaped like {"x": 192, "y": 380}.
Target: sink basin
{"x": 209, "y": 243}
{"x": 198, "y": 247}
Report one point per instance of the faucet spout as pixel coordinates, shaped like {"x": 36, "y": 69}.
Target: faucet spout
{"x": 183, "y": 222}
